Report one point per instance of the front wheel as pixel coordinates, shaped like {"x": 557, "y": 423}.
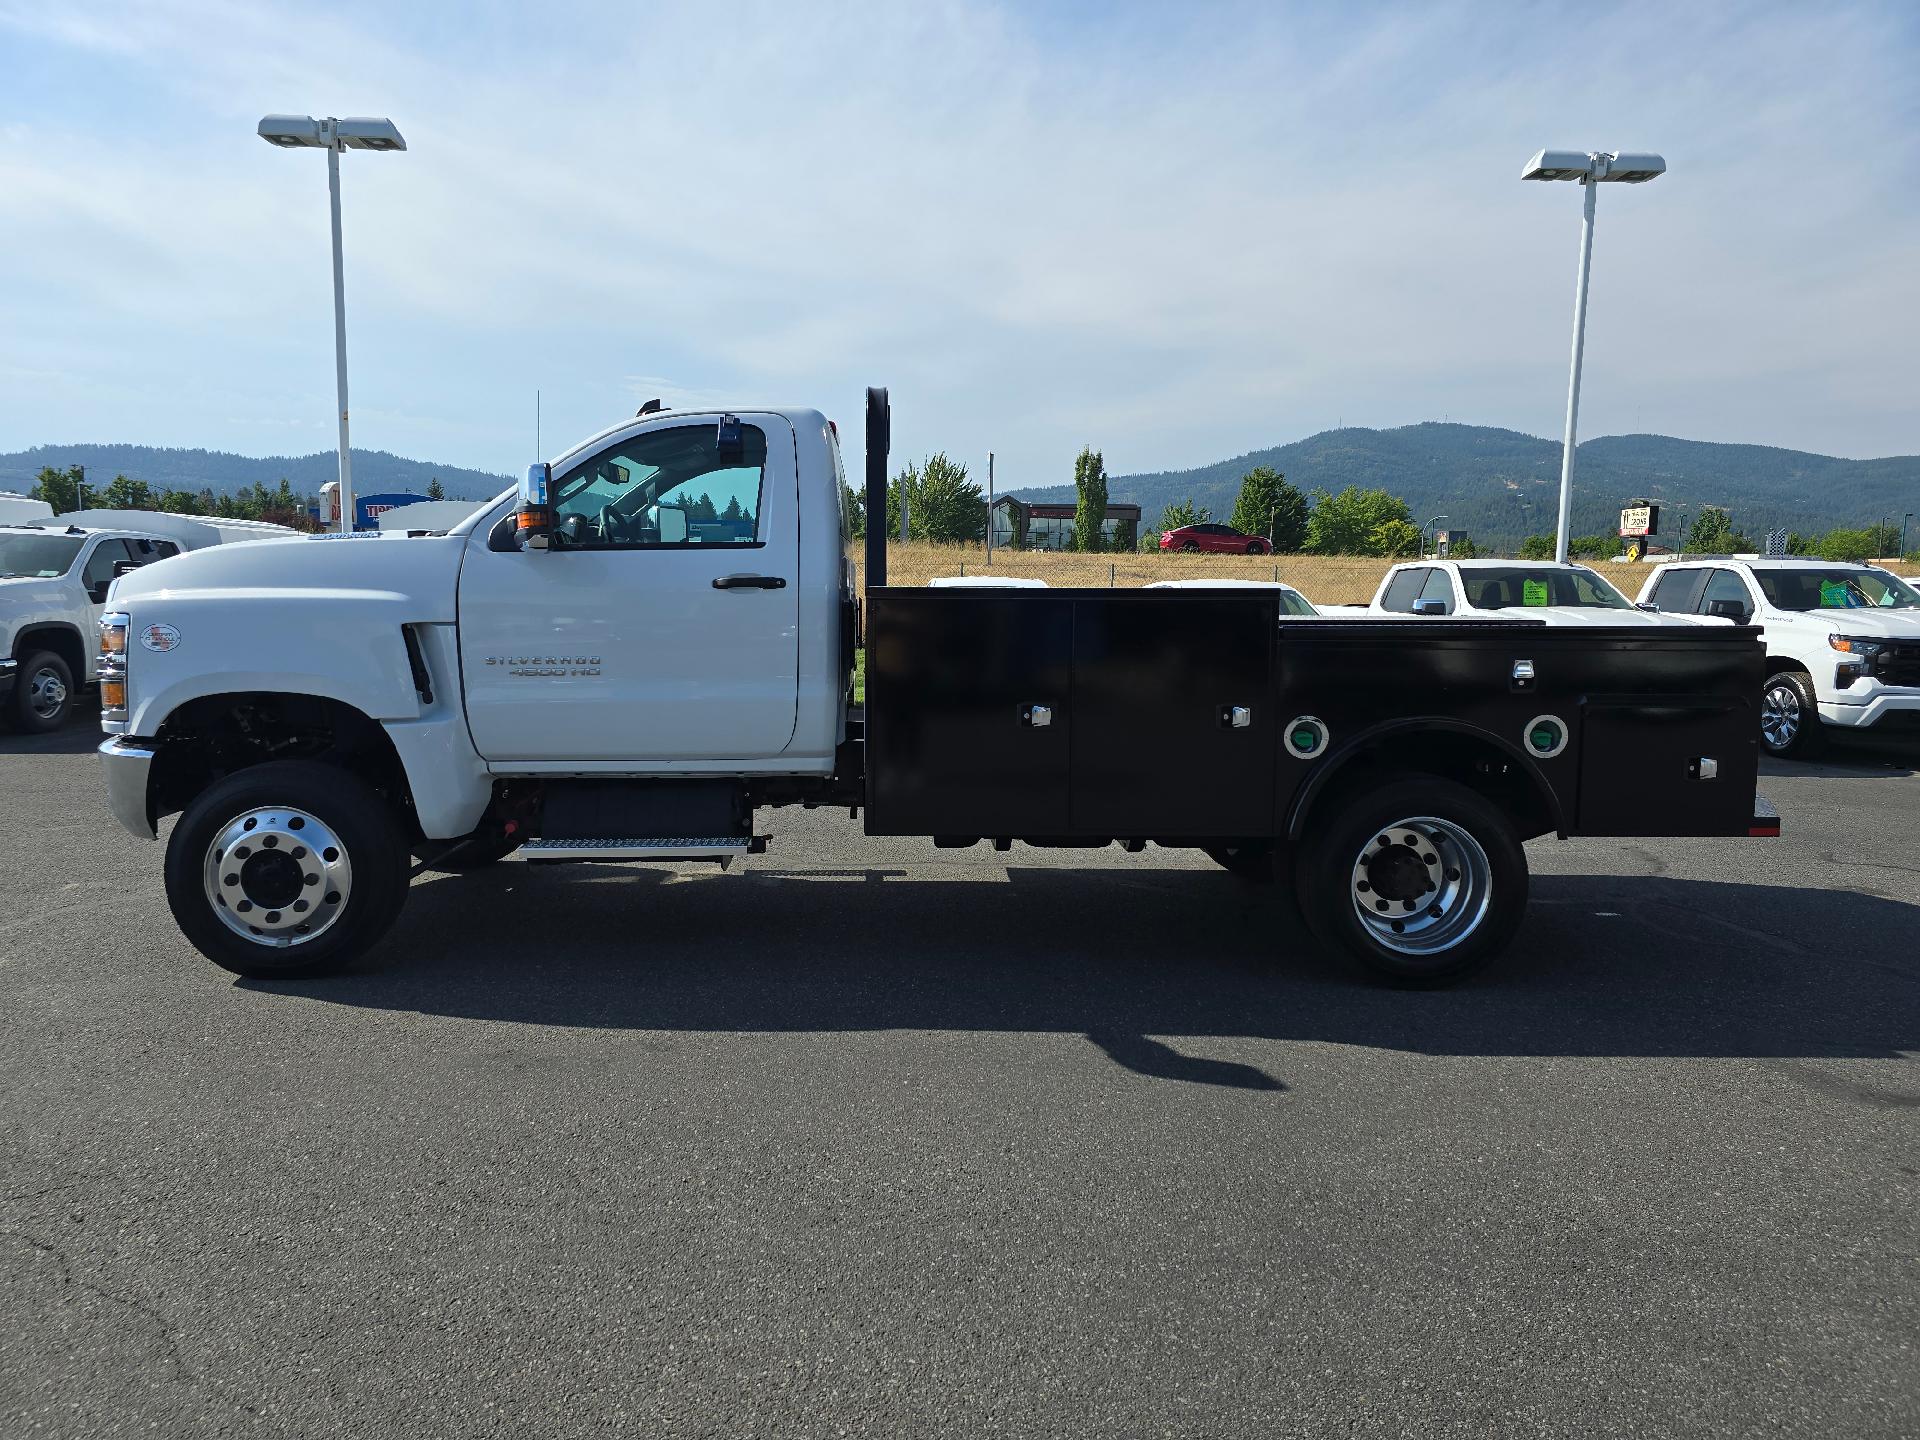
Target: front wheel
{"x": 286, "y": 869}
{"x": 1789, "y": 715}
{"x": 42, "y": 697}
{"x": 1419, "y": 880}
{"x": 1257, "y": 547}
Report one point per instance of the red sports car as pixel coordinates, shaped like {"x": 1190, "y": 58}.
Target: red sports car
{"x": 1221, "y": 539}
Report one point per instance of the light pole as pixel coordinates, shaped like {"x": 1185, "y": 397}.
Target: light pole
{"x": 1903, "y": 533}
{"x": 294, "y": 132}
{"x": 1589, "y": 168}
{"x": 1430, "y": 526}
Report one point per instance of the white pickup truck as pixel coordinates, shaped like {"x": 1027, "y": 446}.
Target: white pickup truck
{"x": 54, "y": 577}
{"x": 1545, "y": 590}
{"x": 655, "y": 639}
{"x": 1843, "y": 641}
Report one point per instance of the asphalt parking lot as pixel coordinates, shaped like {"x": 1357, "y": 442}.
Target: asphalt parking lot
{"x": 869, "y": 1138}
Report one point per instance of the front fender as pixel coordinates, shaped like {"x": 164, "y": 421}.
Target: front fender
{"x": 345, "y": 645}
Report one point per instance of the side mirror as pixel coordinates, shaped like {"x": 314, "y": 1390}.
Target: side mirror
{"x": 534, "y": 519}
{"x": 1646, "y": 605}
{"x": 1429, "y": 607}
{"x": 1728, "y": 610}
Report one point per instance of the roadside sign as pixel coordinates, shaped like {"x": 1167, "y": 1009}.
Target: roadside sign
{"x": 1641, "y": 518}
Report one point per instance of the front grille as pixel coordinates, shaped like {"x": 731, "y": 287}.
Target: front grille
{"x": 1898, "y": 664}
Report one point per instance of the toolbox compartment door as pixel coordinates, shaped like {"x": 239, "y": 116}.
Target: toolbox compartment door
{"x": 1156, "y": 678}
{"x": 1641, "y": 772}
{"x": 951, "y": 677}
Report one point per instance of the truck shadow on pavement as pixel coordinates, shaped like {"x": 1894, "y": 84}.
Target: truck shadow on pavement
{"x": 1603, "y": 966}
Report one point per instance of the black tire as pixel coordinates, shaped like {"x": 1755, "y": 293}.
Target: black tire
{"x": 42, "y": 698}
{"x": 1257, "y": 547}
{"x": 1469, "y": 851}
{"x": 1789, "y": 716}
{"x": 1249, "y": 860}
{"x": 1189, "y": 548}
{"x": 324, "y": 800}
{"x": 469, "y": 852}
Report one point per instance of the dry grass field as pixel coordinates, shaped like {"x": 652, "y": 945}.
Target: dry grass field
{"x": 1324, "y": 579}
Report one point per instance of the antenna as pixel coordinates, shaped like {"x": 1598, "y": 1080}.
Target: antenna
{"x": 536, "y": 424}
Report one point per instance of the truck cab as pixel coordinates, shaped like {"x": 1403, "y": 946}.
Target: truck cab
{"x": 1543, "y": 590}
{"x": 1842, "y": 640}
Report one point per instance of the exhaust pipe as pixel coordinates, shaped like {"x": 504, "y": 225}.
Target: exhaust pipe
{"x": 879, "y": 437}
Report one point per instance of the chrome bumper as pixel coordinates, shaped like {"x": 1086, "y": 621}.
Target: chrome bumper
{"x": 127, "y": 763}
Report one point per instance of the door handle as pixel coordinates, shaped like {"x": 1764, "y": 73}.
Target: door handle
{"x": 749, "y": 582}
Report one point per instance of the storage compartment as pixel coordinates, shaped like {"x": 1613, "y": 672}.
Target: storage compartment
{"x": 1174, "y": 725}
{"x": 1641, "y": 766}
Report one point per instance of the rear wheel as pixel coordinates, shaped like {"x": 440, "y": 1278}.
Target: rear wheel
{"x": 1188, "y": 547}
{"x": 42, "y": 697}
{"x": 286, "y": 869}
{"x": 1789, "y": 715}
{"x": 1419, "y": 880}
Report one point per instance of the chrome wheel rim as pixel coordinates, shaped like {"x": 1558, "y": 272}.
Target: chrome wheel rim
{"x": 46, "y": 693}
{"x": 1421, "y": 886}
{"x": 1780, "y": 716}
{"x": 277, "y": 877}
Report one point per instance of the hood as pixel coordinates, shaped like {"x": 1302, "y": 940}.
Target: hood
{"x": 1887, "y": 624}
{"x": 1582, "y": 615}
{"x": 424, "y": 571}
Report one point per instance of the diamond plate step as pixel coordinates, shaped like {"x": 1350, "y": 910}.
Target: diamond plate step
{"x": 643, "y": 847}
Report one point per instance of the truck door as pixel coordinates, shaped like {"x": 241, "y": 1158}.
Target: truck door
{"x": 662, "y": 625}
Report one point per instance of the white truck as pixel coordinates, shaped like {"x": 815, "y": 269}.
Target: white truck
{"x": 1545, "y": 590}
{"x": 54, "y": 577}
{"x": 1843, "y": 641}
{"x": 655, "y": 639}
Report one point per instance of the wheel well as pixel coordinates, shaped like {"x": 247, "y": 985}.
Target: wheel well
{"x": 62, "y": 640}
{"x": 1469, "y": 759}
{"x": 1777, "y": 664}
{"x": 214, "y": 736}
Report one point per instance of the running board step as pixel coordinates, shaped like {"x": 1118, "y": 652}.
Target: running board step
{"x": 644, "y": 847}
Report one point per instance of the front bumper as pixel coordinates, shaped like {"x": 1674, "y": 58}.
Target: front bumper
{"x": 1902, "y": 702}
{"x": 127, "y": 763}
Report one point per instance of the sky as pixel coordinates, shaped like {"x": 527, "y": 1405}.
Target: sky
{"x": 1174, "y": 233}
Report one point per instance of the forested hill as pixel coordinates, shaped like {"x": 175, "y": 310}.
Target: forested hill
{"x": 374, "y": 471}
{"x": 1502, "y": 485}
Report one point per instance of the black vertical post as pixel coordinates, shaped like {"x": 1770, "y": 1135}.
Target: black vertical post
{"x": 879, "y": 437}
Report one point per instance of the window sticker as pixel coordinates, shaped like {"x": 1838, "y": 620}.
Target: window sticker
{"x": 1533, "y": 592}
{"x": 1834, "y": 596}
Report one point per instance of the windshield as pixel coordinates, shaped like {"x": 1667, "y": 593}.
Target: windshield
{"x": 37, "y": 557}
{"x": 1518, "y": 586}
{"x": 1841, "y": 588}
{"x": 1292, "y": 602}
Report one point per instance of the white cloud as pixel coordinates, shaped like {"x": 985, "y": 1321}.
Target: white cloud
{"x": 1177, "y": 240}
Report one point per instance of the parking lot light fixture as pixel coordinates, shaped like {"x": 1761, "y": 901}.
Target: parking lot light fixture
{"x": 358, "y": 132}
{"x": 1590, "y": 168}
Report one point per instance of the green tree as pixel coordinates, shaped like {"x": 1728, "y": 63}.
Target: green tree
{"x": 1593, "y": 547}
{"x": 943, "y": 505}
{"x": 1267, "y": 505}
{"x": 1712, "y": 533}
{"x": 1356, "y": 522}
{"x": 1124, "y": 540}
{"x": 435, "y": 490}
{"x": 181, "y": 502}
{"x": 855, "y": 506}
{"x": 1394, "y": 539}
{"x": 1463, "y": 549}
{"x": 1886, "y": 541}
{"x": 1849, "y": 545}
{"x": 124, "y": 494}
{"x": 59, "y": 488}
{"x": 1537, "y": 547}
{"x": 1090, "y": 503}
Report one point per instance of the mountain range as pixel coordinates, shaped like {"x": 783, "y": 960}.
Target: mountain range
{"x": 1498, "y": 485}
{"x": 1501, "y": 486}
{"x": 375, "y": 472}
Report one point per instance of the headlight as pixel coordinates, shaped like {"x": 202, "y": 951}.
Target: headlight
{"x": 113, "y": 667}
{"x": 1863, "y": 646}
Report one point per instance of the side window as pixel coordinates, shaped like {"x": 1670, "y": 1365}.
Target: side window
{"x": 1403, "y": 589}
{"x": 165, "y": 549}
{"x": 1726, "y": 585}
{"x": 106, "y": 555}
{"x": 667, "y": 489}
{"x": 1678, "y": 590}
{"x": 1439, "y": 587}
